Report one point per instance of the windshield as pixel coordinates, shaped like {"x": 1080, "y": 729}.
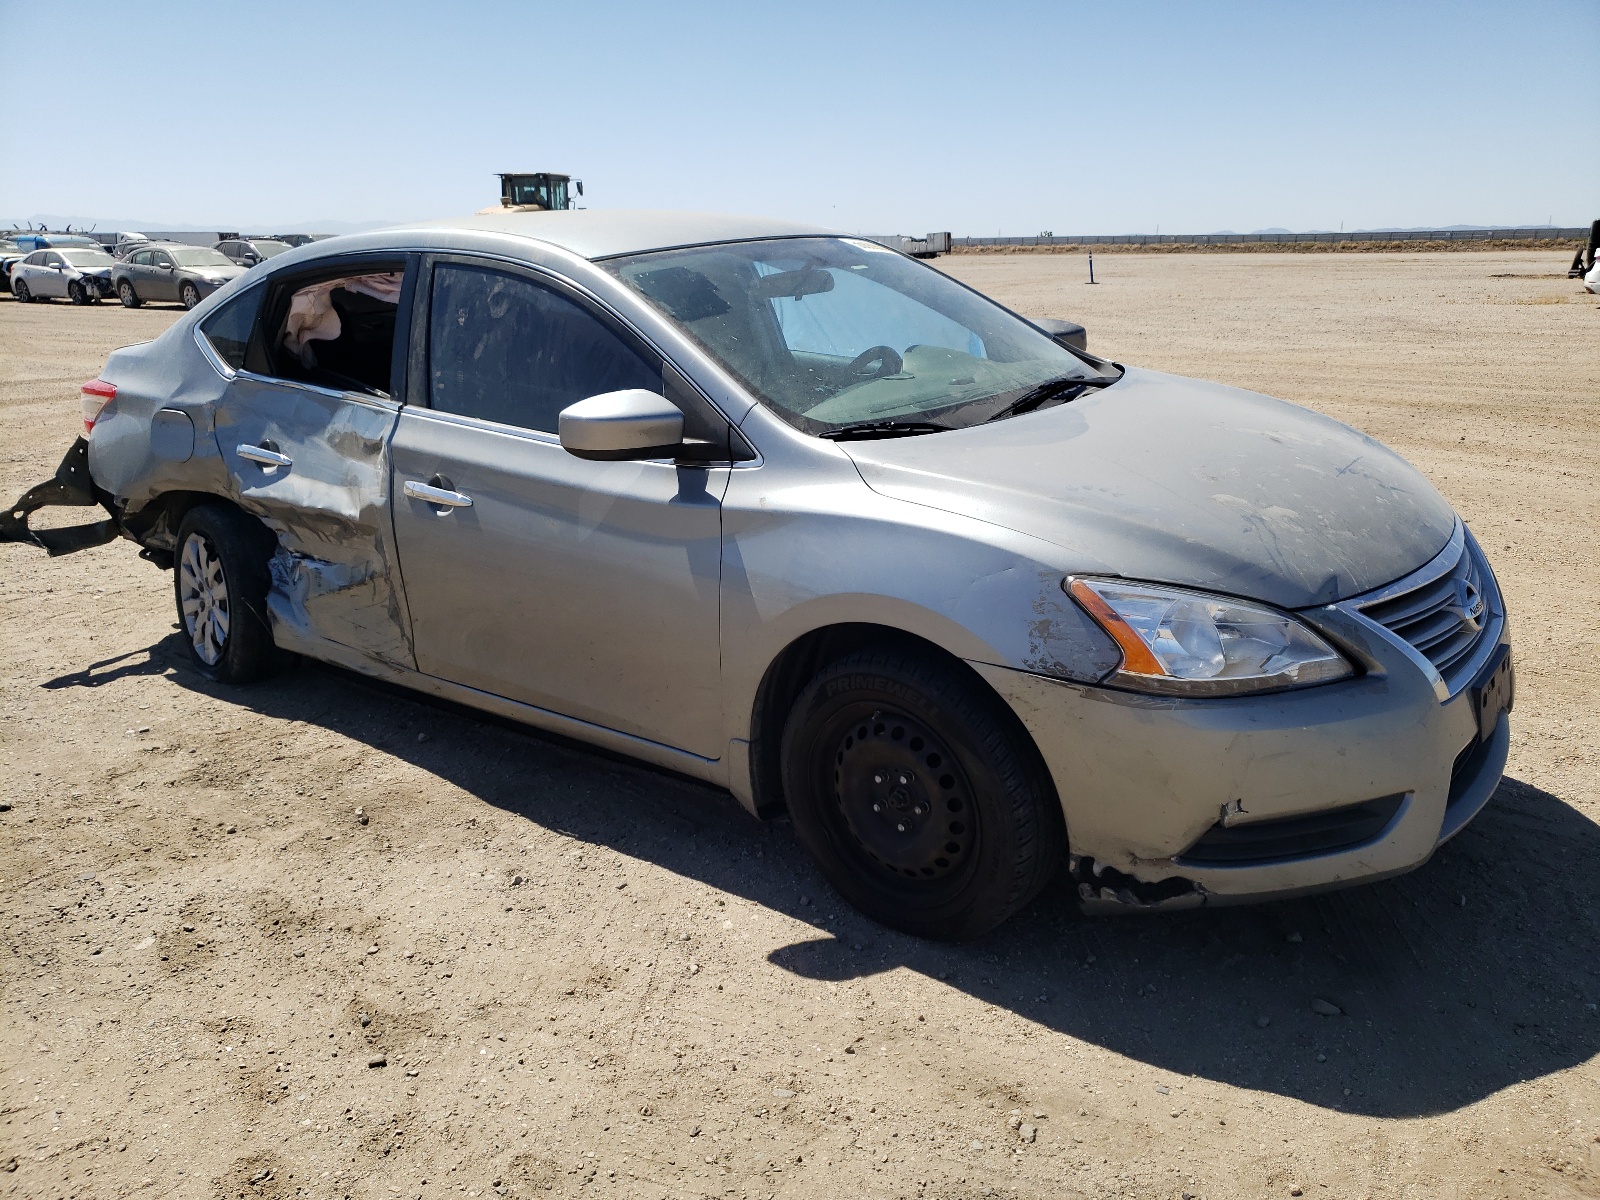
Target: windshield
{"x": 831, "y": 332}
{"x": 268, "y": 249}
{"x": 88, "y": 258}
{"x": 196, "y": 256}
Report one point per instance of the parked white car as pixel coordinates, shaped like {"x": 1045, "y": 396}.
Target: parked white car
{"x": 78, "y": 273}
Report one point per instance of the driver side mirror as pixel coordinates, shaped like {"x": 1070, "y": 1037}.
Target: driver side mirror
{"x": 618, "y": 426}
{"x": 1068, "y": 333}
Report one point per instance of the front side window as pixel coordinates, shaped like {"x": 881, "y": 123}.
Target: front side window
{"x": 832, "y": 332}
{"x": 159, "y": 258}
{"x": 229, "y": 328}
{"x": 504, "y": 348}
{"x": 53, "y": 260}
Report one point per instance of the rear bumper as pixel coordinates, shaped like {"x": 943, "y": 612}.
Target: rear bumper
{"x": 70, "y": 486}
{"x": 1175, "y": 803}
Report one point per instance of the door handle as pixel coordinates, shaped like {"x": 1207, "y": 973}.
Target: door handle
{"x": 442, "y": 497}
{"x": 260, "y": 454}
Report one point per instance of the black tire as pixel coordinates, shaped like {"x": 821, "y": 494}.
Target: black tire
{"x": 129, "y": 297}
{"x": 19, "y": 289}
{"x": 77, "y": 293}
{"x": 919, "y": 794}
{"x": 212, "y": 536}
{"x": 189, "y": 295}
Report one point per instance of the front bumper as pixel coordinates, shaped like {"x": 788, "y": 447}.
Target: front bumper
{"x": 1143, "y": 779}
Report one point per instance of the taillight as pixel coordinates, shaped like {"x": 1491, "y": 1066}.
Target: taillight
{"x": 97, "y": 393}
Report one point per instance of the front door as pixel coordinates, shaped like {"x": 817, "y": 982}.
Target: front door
{"x": 586, "y": 588}
{"x": 160, "y": 281}
{"x": 53, "y": 282}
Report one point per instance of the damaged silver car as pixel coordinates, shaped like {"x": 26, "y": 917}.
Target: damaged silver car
{"x": 801, "y": 517}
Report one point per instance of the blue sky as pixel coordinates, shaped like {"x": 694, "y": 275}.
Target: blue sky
{"x": 877, "y": 117}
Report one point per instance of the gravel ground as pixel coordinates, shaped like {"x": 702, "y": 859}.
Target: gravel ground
{"x": 320, "y": 939}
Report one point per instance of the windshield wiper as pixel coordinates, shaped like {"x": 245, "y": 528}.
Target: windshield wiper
{"x": 1046, "y": 392}
{"x": 863, "y": 430}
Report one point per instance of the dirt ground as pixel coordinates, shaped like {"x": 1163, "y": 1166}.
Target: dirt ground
{"x": 539, "y": 971}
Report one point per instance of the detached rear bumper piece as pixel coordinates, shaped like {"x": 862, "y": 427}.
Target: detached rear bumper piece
{"x": 71, "y": 487}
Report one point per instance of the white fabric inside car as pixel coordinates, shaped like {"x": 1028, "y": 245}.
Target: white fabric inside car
{"x": 312, "y": 317}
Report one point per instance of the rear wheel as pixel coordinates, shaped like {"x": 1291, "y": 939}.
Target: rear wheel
{"x": 220, "y": 581}
{"x": 920, "y": 796}
{"x": 19, "y": 289}
{"x": 190, "y": 295}
{"x": 129, "y": 297}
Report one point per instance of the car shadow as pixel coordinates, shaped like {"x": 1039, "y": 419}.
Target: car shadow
{"x": 1472, "y": 974}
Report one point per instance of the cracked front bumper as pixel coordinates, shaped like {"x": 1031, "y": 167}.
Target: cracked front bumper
{"x": 1142, "y": 778}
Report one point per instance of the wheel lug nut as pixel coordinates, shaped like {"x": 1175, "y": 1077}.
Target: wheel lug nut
{"x": 877, "y": 808}
{"x": 901, "y": 828}
{"x": 877, "y": 779}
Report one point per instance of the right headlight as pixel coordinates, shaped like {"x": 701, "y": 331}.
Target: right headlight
{"x": 1185, "y": 643}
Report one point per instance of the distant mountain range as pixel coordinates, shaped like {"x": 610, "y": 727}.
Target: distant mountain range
{"x": 121, "y": 224}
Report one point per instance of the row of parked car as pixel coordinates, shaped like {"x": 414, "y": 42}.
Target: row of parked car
{"x": 79, "y": 268}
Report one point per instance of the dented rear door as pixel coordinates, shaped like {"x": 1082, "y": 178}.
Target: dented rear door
{"x": 313, "y": 464}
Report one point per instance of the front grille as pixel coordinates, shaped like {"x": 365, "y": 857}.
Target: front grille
{"x": 1443, "y": 618}
{"x": 1282, "y": 838}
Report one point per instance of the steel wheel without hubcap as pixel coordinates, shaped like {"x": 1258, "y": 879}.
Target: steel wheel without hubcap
{"x": 903, "y": 796}
{"x": 920, "y": 796}
{"x": 203, "y": 597}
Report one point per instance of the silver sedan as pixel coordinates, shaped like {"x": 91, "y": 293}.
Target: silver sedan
{"x": 799, "y": 516}
{"x": 81, "y": 274}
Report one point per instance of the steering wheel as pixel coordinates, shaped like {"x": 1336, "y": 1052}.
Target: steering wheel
{"x": 887, "y": 358}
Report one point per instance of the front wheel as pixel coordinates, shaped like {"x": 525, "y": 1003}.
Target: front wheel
{"x": 190, "y": 295}
{"x": 919, "y": 794}
{"x": 19, "y": 289}
{"x": 77, "y": 293}
{"x": 220, "y": 579}
{"x": 129, "y": 297}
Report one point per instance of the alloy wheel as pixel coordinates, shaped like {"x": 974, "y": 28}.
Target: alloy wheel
{"x": 203, "y": 598}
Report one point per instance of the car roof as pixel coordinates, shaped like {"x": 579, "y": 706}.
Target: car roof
{"x": 603, "y": 233}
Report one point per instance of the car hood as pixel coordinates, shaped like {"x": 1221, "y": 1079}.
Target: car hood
{"x": 1169, "y": 479}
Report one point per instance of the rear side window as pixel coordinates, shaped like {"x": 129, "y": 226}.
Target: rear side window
{"x": 504, "y": 348}
{"x": 335, "y": 330}
{"x": 229, "y": 328}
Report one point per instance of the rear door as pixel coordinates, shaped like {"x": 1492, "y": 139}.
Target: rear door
{"x": 303, "y": 429}
{"x": 586, "y": 588}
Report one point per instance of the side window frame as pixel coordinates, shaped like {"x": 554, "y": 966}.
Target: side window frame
{"x": 701, "y": 416}
{"x": 259, "y": 358}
